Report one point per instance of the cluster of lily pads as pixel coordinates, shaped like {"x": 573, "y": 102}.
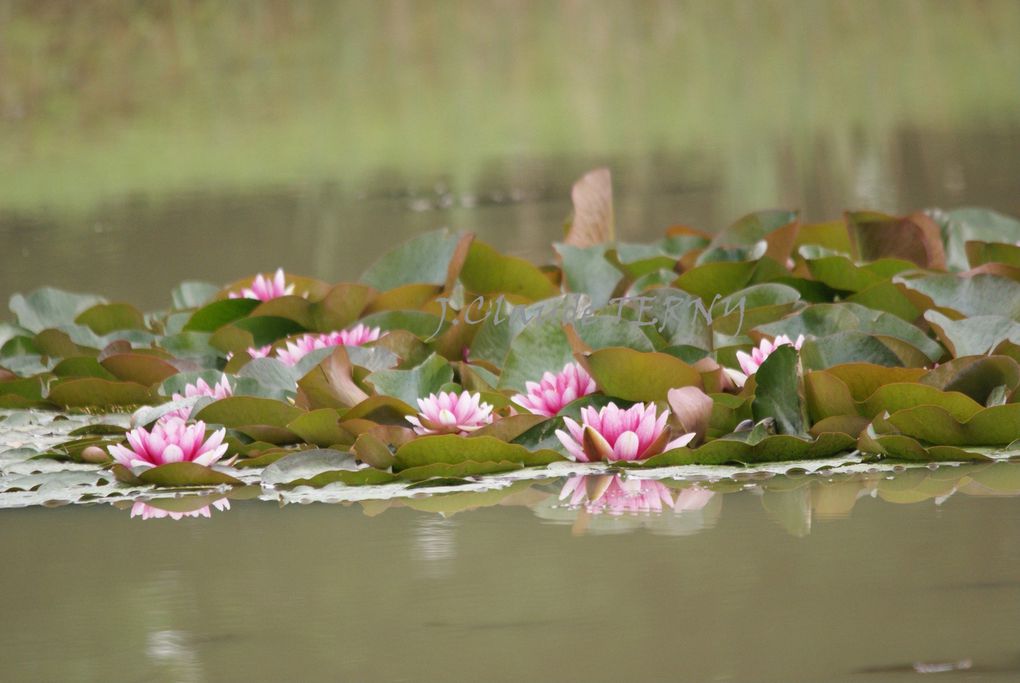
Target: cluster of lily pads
{"x": 771, "y": 339}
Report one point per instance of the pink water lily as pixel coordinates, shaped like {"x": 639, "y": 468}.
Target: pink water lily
{"x": 264, "y": 287}
{"x": 750, "y": 362}
{"x": 221, "y": 389}
{"x": 260, "y": 351}
{"x": 615, "y": 495}
{"x": 451, "y": 413}
{"x": 548, "y": 396}
{"x": 170, "y": 441}
{"x": 614, "y": 433}
{"x": 297, "y": 349}
{"x": 147, "y": 511}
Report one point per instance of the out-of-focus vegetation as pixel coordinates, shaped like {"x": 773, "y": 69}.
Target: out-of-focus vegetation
{"x": 101, "y": 99}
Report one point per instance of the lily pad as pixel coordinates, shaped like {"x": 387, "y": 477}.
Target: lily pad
{"x": 181, "y": 474}
{"x": 452, "y": 449}
{"x": 636, "y": 376}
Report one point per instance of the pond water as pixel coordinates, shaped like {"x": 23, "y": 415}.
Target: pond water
{"x": 211, "y": 151}
{"x": 874, "y": 577}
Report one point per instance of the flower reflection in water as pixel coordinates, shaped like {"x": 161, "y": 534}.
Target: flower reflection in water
{"x": 614, "y": 495}
{"x": 626, "y": 503}
{"x": 178, "y": 508}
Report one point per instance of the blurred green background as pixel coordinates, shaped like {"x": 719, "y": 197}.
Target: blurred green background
{"x": 142, "y": 143}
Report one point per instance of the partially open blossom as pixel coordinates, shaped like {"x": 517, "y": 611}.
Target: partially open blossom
{"x": 221, "y": 389}
{"x": 170, "y": 441}
{"x": 296, "y": 349}
{"x": 265, "y": 288}
{"x": 451, "y": 413}
{"x": 750, "y": 362}
{"x": 614, "y": 433}
{"x": 615, "y": 495}
{"x": 555, "y": 391}
{"x": 148, "y": 511}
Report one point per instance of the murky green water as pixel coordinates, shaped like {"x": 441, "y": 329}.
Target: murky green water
{"x": 787, "y": 579}
{"x": 144, "y": 145}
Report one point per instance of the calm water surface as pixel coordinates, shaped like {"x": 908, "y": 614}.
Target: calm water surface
{"x": 797, "y": 579}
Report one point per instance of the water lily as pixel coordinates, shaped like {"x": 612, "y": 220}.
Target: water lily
{"x": 148, "y": 511}
{"x": 297, "y": 349}
{"x": 750, "y": 362}
{"x": 548, "y": 396}
{"x": 451, "y": 413}
{"x": 170, "y": 441}
{"x": 614, "y": 433}
{"x": 221, "y": 389}
{"x": 265, "y": 287}
{"x": 615, "y": 495}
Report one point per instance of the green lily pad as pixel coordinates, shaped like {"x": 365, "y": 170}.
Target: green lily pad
{"x": 181, "y": 474}
{"x": 215, "y": 315}
{"x": 995, "y": 426}
{"x": 106, "y": 318}
{"x": 240, "y": 411}
{"x": 775, "y": 448}
{"x": 136, "y": 367}
{"x": 778, "y": 393}
{"x": 636, "y": 376}
{"x": 542, "y": 346}
{"x": 452, "y": 449}
{"x": 586, "y": 269}
{"x": 49, "y": 307}
{"x": 460, "y": 470}
{"x": 488, "y": 272}
{"x": 193, "y": 294}
{"x": 321, "y": 427}
{"x": 414, "y": 383}
{"x": 981, "y": 294}
{"x": 422, "y": 259}
{"x": 975, "y": 335}
{"x": 92, "y": 392}
{"x": 824, "y": 320}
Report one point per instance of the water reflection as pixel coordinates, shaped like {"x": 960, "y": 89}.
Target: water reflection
{"x": 179, "y": 508}
{"x": 622, "y": 502}
{"x": 617, "y": 503}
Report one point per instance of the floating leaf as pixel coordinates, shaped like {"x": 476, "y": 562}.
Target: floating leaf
{"x": 452, "y": 449}
{"x": 193, "y": 294}
{"x": 967, "y": 224}
{"x": 775, "y": 448}
{"x": 980, "y": 294}
{"x": 414, "y": 383}
{"x": 636, "y": 376}
{"x": 321, "y": 427}
{"x": 213, "y": 316}
{"x": 468, "y": 468}
{"x": 542, "y": 346}
{"x": 488, "y": 272}
{"x": 778, "y": 393}
{"x": 822, "y": 320}
{"x": 422, "y": 259}
{"x": 319, "y": 467}
{"x": 586, "y": 270}
{"x": 137, "y": 367}
{"x": 92, "y": 392}
{"x": 106, "y": 318}
{"x": 49, "y": 307}
{"x": 186, "y": 474}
